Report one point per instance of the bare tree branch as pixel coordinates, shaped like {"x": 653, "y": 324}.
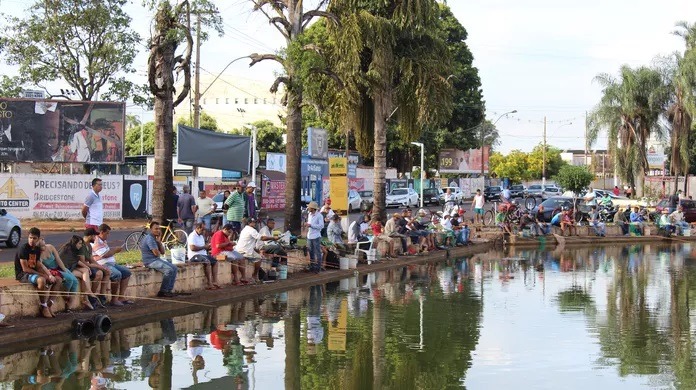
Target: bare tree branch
{"x": 184, "y": 64}
{"x": 332, "y": 75}
{"x": 309, "y": 15}
{"x": 281, "y": 20}
{"x": 256, "y": 58}
{"x": 258, "y": 6}
{"x": 278, "y": 81}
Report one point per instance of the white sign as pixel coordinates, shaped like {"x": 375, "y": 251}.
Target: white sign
{"x": 57, "y": 196}
{"x": 275, "y": 162}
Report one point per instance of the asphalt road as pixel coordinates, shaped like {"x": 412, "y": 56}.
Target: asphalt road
{"x": 57, "y": 239}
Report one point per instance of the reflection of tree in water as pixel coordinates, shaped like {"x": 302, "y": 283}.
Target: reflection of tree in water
{"x": 682, "y": 344}
{"x": 576, "y": 298}
{"x": 630, "y": 337}
{"x": 451, "y": 331}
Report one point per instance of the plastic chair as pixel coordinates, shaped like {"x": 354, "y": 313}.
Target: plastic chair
{"x": 370, "y": 253}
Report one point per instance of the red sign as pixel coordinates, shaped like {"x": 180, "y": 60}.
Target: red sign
{"x": 273, "y": 195}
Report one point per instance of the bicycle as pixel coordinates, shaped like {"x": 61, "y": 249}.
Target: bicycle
{"x": 488, "y": 216}
{"x": 171, "y": 238}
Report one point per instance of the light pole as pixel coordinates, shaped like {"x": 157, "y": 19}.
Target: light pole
{"x": 253, "y": 151}
{"x": 483, "y": 128}
{"x": 422, "y": 168}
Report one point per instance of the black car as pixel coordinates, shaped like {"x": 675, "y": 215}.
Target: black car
{"x": 517, "y": 191}
{"x": 431, "y": 196}
{"x": 554, "y": 204}
{"x": 492, "y": 193}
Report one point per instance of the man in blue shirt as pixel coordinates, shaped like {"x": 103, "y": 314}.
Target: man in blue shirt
{"x": 151, "y": 249}
{"x": 637, "y": 219}
{"x": 505, "y": 195}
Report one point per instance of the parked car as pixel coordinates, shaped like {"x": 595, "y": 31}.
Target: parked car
{"x": 367, "y": 199}
{"x": 492, "y": 193}
{"x": 354, "y": 201}
{"x": 617, "y": 201}
{"x": 535, "y": 190}
{"x": 688, "y": 205}
{"x": 431, "y": 196}
{"x": 517, "y": 191}
{"x": 457, "y": 194}
{"x": 10, "y": 229}
{"x": 556, "y": 203}
{"x": 402, "y": 197}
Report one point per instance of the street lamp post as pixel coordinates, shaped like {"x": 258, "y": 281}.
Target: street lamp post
{"x": 422, "y": 168}
{"x": 253, "y": 151}
{"x": 483, "y": 127}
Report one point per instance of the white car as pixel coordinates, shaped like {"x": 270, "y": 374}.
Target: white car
{"x": 10, "y": 229}
{"x": 457, "y": 194}
{"x": 402, "y": 197}
{"x": 354, "y": 200}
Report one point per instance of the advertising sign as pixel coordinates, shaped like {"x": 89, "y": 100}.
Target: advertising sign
{"x": 656, "y": 157}
{"x": 273, "y": 196}
{"x": 134, "y": 198}
{"x": 317, "y": 143}
{"x": 338, "y": 166}
{"x": 463, "y": 161}
{"x": 60, "y": 196}
{"x": 276, "y": 162}
{"x": 61, "y": 131}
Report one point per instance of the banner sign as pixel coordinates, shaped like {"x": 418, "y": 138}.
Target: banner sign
{"x": 319, "y": 168}
{"x": 134, "y": 198}
{"x": 338, "y": 166}
{"x": 61, "y": 131}
{"x": 205, "y": 148}
{"x": 276, "y": 162}
{"x": 273, "y": 195}
{"x": 317, "y": 143}
{"x": 656, "y": 157}
{"x": 59, "y": 196}
{"x": 467, "y": 161}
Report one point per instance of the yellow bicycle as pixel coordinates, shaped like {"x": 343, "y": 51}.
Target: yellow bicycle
{"x": 171, "y": 237}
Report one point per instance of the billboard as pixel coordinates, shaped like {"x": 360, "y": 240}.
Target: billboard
{"x": 656, "y": 157}
{"x": 317, "y": 143}
{"x": 463, "y": 161}
{"x": 61, "y": 131}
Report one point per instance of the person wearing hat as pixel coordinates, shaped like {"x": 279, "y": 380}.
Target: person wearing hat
{"x": 598, "y": 226}
{"x": 677, "y": 218}
{"x": 665, "y": 223}
{"x": 315, "y": 223}
{"x": 247, "y": 245}
{"x": 236, "y": 206}
{"x": 250, "y": 201}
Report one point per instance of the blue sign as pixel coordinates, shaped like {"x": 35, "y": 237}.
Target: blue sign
{"x": 315, "y": 167}
{"x": 231, "y": 175}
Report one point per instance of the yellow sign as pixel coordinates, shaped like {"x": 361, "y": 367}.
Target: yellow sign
{"x": 339, "y": 193}
{"x": 11, "y": 190}
{"x": 338, "y": 328}
{"x": 338, "y": 166}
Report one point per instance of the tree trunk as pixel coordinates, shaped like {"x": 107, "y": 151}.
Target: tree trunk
{"x": 379, "y": 327}
{"x": 292, "y": 350}
{"x": 379, "y": 210}
{"x": 293, "y": 151}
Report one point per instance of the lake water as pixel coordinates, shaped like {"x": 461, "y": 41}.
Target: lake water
{"x": 588, "y": 318}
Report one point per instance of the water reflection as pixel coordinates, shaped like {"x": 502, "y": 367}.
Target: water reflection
{"x": 603, "y": 316}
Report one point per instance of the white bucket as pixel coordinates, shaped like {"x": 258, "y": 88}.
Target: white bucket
{"x": 282, "y": 272}
{"x": 344, "y": 262}
{"x": 353, "y": 262}
{"x": 372, "y": 255}
{"x": 344, "y": 285}
{"x": 687, "y": 232}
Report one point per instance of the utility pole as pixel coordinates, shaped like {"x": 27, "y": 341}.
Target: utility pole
{"x": 483, "y": 128}
{"x": 197, "y": 79}
{"x": 543, "y": 169}
{"x": 587, "y": 142}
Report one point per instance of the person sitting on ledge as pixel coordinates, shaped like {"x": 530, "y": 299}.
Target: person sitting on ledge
{"x": 677, "y": 218}
{"x": 222, "y": 248}
{"x": 198, "y": 253}
{"x": 29, "y": 269}
{"x": 568, "y": 223}
{"x": 637, "y": 219}
{"x": 152, "y": 249}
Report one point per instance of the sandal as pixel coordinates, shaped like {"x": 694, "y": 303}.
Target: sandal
{"x": 128, "y": 302}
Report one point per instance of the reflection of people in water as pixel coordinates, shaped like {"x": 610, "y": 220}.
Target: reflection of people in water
{"x": 315, "y": 330}
{"x": 195, "y": 352}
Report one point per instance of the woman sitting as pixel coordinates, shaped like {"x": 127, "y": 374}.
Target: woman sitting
{"x": 70, "y": 254}
{"x": 52, "y": 261}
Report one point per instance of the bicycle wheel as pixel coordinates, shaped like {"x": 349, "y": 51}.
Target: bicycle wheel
{"x": 133, "y": 241}
{"x": 488, "y": 218}
{"x": 176, "y": 239}
{"x": 529, "y": 202}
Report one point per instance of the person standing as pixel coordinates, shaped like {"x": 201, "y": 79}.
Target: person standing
{"x": 315, "y": 223}
{"x": 186, "y": 209}
{"x": 617, "y": 192}
{"x": 93, "y": 208}
{"x": 204, "y": 209}
{"x": 236, "y": 207}
{"x": 250, "y": 208}
{"x": 152, "y": 249}
{"x": 225, "y": 206}
{"x": 478, "y": 203}
{"x": 171, "y": 210}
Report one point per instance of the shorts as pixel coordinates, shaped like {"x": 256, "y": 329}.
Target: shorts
{"x": 29, "y": 278}
{"x": 206, "y": 259}
{"x": 478, "y": 211}
{"x": 232, "y": 255}
{"x": 95, "y": 227}
{"x": 118, "y": 272}
{"x": 93, "y": 272}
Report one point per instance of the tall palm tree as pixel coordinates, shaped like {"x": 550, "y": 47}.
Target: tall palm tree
{"x": 682, "y": 107}
{"x": 392, "y": 63}
{"x": 630, "y": 109}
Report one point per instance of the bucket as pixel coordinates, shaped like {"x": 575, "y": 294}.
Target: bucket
{"x": 352, "y": 262}
{"x": 686, "y": 232}
{"x": 371, "y": 255}
{"x": 282, "y": 272}
{"x": 344, "y": 262}
{"x": 344, "y": 285}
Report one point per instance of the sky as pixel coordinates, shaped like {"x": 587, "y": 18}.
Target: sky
{"x": 538, "y": 57}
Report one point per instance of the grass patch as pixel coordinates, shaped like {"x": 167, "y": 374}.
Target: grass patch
{"x": 124, "y": 258}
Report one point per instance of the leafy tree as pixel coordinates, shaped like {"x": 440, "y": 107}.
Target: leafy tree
{"x": 630, "y": 109}
{"x": 208, "y": 122}
{"x": 392, "y": 62}
{"x": 514, "y": 166}
{"x": 574, "y": 178}
{"x": 535, "y": 160}
{"x": 269, "y": 137}
{"x": 133, "y": 139}
{"x": 86, "y": 43}
{"x": 10, "y": 87}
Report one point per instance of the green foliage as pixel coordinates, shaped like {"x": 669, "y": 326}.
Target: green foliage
{"x": 84, "y": 43}
{"x": 269, "y": 137}
{"x": 574, "y": 178}
{"x": 207, "y": 122}
{"x": 553, "y": 159}
{"x": 520, "y": 166}
{"x": 133, "y": 139}
{"x": 10, "y": 87}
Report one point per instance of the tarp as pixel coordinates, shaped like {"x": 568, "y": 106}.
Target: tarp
{"x": 209, "y": 149}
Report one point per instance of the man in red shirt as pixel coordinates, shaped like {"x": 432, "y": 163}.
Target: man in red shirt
{"x": 221, "y": 246}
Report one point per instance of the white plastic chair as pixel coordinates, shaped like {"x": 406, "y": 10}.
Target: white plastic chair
{"x": 370, "y": 253}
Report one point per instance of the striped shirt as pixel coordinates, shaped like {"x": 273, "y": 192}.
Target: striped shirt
{"x": 236, "y": 203}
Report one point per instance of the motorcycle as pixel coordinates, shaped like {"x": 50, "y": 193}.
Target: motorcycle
{"x": 607, "y": 213}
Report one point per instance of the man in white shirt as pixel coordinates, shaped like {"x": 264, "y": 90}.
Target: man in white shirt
{"x": 204, "y": 209}
{"x": 198, "y": 253}
{"x": 478, "y": 203}
{"x": 246, "y": 245}
{"x": 590, "y": 197}
{"x": 118, "y": 274}
{"x": 315, "y": 222}
{"x": 93, "y": 209}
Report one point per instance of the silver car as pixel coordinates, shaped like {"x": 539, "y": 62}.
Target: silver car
{"x": 10, "y": 229}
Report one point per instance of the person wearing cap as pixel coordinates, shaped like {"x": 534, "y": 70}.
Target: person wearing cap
{"x": 315, "y": 223}
{"x": 598, "y": 226}
{"x": 677, "y": 218}
{"x": 665, "y": 223}
{"x": 222, "y": 247}
{"x": 326, "y": 210}
{"x": 186, "y": 209}
{"x": 250, "y": 201}
{"x": 247, "y": 245}
{"x": 236, "y": 207}
{"x": 637, "y": 219}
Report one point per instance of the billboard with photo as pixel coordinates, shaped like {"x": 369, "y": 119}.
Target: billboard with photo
{"x": 61, "y": 131}
{"x": 463, "y": 161}
{"x": 317, "y": 143}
